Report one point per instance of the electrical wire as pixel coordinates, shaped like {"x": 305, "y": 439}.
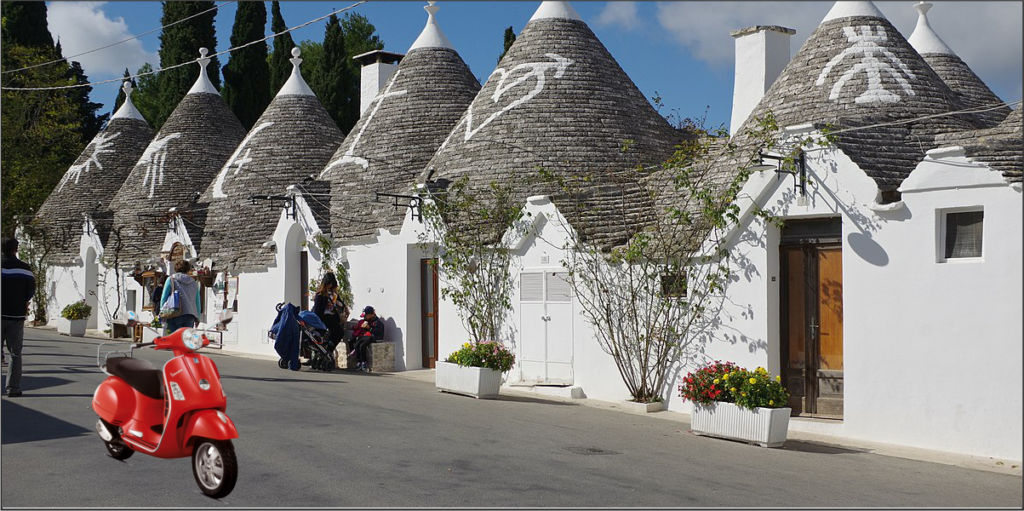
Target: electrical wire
{"x": 974, "y": 110}
{"x": 119, "y": 42}
{"x": 190, "y": 62}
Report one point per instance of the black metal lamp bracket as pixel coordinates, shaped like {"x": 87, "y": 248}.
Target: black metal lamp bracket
{"x": 414, "y": 204}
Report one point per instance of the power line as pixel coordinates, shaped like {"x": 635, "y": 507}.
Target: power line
{"x": 229, "y": 50}
{"x": 119, "y": 42}
{"x": 975, "y": 110}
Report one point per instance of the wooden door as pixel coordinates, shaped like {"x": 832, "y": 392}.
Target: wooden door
{"x": 303, "y": 281}
{"x": 428, "y": 308}
{"x": 812, "y": 328}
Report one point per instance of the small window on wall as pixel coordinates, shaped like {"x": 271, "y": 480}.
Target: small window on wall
{"x": 962, "y": 234}
{"x": 130, "y": 300}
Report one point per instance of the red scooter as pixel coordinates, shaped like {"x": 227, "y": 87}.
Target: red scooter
{"x": 171, "y": 413}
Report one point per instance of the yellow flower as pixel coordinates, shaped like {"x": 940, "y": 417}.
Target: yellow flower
{"x": 743, "y": 393}
{"x": 733, "y": 389}
{"x": 761, "y": 370}
{"x": 778, "y": 378}
{"x": 753, "y": 380}
{"x": 716, "y": 381}
{"x": 726, "y": 377}
{"x": 771, "y": 402}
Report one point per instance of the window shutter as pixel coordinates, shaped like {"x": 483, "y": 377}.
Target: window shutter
{"x": 559, "y": 289}
{"x": 531, "y": 287}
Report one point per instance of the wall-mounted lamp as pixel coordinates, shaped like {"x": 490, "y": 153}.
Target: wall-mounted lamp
{"x": 272, "y": 245}
{"x": 799, "y": 175}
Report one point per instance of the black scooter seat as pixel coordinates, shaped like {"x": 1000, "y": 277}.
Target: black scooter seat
{"x": 138, "y": 373}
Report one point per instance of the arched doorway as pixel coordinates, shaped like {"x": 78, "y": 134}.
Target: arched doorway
{"x": 296, "y": 274}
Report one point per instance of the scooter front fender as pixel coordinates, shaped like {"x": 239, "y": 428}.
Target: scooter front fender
{"x": 208, "y": 424}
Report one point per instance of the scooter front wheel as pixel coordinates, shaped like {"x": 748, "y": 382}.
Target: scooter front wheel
{"x": 118, "y": 452}
{"x": 215, "y": 467}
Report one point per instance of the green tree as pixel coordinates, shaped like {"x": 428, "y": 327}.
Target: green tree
{"x": 247, "y": 75}
{"x": 40, "y": 131}
{"x": 510, "y": 37}
{"x": 147, "y": 95}
{"x": 91, "y": 123}
{"x": 25, "y": 25}
{"x": 333, "y": 77}
{"x": 180, "y": 43}
{"x": 280, "y": 67}
{"x": 120, "y": 92}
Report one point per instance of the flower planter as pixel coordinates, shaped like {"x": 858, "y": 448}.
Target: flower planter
{"x": 72, "y": 327}
{"x": 766, "y": 427}
{"x": 478, "y": 382}
{"x": 149, "y": 334}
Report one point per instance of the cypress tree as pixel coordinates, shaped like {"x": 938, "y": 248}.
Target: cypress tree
{"x": 333, "y": 77}
{"x": 25, "y": 24}
{"x": 181, "y": 43}
{"x": 247, "y": 75}
{"x": 510, "y": 37}
{"x": 280, "y": 67}
{"x": 120, "y": 92}
{"x": 91, "y": 123}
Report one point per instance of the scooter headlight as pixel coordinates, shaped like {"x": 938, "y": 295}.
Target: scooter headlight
{"x": 193, "y": 340}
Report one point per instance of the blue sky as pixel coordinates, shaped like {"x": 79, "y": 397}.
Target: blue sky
{"x": 680, "y": 50}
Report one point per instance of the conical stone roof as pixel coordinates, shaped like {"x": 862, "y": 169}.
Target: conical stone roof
{"x": 1000, "y": 147}
{"x": 971, "y": 91}
{"x": 174, "y": 170}
{"x": 560, "y": 101}
{"x": 396, "y": 136}
{"x": 857, "y": 70}
{"x": 89, "y": 185}
{"x": 293, "y": 139}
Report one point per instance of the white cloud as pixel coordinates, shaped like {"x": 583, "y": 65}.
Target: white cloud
{"x": 623, "y": 14}
{"x": 83, "y": 26}
{"x": 986, "y": 35}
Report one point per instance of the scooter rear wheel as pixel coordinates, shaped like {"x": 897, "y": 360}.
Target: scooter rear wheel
{"x": 215, "y": 467}
{"x": 118, "y": 452}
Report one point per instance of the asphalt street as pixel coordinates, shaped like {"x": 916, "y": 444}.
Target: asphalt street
{"x": 311, "y": 439}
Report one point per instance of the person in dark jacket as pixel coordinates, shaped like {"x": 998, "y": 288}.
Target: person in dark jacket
{"x": 367, "y": 331}
{"x": 19, "y": 284}
{"x": 329, "y": 309}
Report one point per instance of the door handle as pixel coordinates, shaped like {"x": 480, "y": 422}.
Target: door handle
{"x": 546, "y": 318}
{"x": 814, "y": 331}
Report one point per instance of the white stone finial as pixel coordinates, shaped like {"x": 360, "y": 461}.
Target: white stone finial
{"x": 203, "y": 83}
{"x": 431, "y": 36}
{"x": 924, "y": 39}
{"x": 127, "y": 110}
{"x": 844, "y": 9}
{"x": 296, "y": 85}
{"x": 551, "y": 9}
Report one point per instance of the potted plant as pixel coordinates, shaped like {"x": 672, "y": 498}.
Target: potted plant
{"x": 73, "y": 319}
{"x": 475, "y": 369}
{"x": 738, "y": 404}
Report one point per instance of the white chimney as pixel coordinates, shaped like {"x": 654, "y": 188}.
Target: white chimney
{"x": 378, "y": 66}
{"x": 762, "y": 52}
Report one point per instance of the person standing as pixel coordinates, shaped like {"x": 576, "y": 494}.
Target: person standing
{"x": 189, "y": 302}
{"x": 19, "y": 285}
{"x": 329, "y": 309}
{"x": 367, "y": 331}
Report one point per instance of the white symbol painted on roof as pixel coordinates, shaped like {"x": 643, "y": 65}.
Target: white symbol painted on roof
{"x": 536, "y": 70}
{"x": 349, "y": 156}
{"x": 867, "y": 44}
{"x": 153, "y": 158}
{"x": 100, "y": 145}
{"x": 218, "y": 186}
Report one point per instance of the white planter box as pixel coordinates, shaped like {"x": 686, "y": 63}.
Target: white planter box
{"x": 766, "y": 427}
{"x": 74, "y": 328}
{"x": 150, "y": 334}
{"x": 478, "y": 382}
{"x": 633, "y": 406}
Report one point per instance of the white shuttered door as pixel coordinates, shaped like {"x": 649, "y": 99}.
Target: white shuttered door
{"x": 546, "y": 325}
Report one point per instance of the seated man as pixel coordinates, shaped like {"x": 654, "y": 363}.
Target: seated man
{"x": 367, "y": 331}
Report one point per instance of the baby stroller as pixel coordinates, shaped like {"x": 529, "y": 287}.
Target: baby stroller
{"x": 315, "y": 342}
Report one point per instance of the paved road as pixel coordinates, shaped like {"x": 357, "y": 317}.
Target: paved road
{"x": 312, "y": 439}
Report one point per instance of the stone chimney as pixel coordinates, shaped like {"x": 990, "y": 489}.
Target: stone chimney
{"x": 378, "y": 66}
{"x": 762, "y": 52}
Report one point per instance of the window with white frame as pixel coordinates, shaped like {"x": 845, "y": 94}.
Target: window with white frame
{"x": 962, "y": 234}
